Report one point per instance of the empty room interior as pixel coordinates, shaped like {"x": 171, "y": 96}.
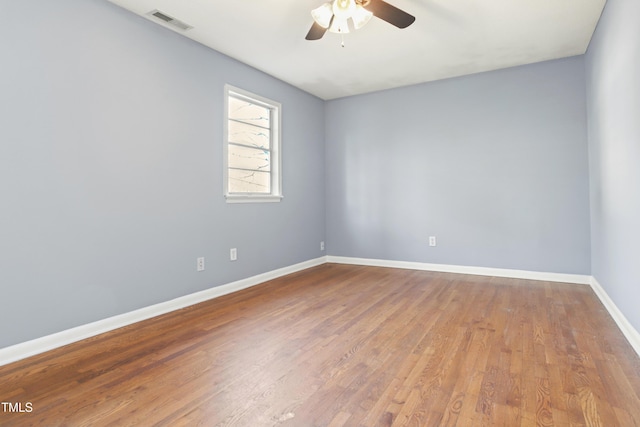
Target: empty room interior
{"x": 310, "y": 213}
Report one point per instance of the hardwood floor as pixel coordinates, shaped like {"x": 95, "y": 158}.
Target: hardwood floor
{"x": 341, "y": 345}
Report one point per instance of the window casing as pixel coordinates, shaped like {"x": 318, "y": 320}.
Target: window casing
{"x": 251, "y": 148}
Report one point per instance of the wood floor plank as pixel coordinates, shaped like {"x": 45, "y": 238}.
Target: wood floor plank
{"x": 339, "y": 345}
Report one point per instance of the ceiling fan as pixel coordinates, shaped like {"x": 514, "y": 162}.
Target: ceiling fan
{"x": 335, "y": 14}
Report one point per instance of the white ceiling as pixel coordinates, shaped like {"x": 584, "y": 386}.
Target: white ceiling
{"x": 449, "y": 38}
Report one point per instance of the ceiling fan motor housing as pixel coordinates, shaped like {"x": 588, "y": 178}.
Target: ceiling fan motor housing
{"x": 344, "y": 9}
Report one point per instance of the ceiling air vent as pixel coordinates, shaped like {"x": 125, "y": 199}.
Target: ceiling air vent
{"x": 169, "y": 20}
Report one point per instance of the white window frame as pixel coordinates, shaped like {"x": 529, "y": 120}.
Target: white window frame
{"x": 275, "y": 120}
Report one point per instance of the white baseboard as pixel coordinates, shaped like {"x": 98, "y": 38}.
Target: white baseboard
{"x": 627, "y": 329}
{"x": 40, "y": 345}
{"x": 59, "y": 339}
{"x": 461, "y": 269}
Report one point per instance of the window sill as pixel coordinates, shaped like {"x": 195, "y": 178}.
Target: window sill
{"x": 252, "y": 199}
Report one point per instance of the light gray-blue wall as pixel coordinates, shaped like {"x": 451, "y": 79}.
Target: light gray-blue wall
{"x": 110, "y": 168}
{"x": 613, "y": 95}
{"x": 494, "y": 165}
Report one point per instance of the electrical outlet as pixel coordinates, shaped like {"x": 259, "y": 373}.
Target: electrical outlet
{"x": 233, "y": 254}
{"x": 200, "y": 264}
{"x": 322, "y": 246}
{"x": 432, "y": 240}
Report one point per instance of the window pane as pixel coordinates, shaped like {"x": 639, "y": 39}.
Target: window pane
{"x": 243, "y": 133}
{"x": 249, "y": 113}
{"x": 249, "y": 158}
{"x": 251, "y": 147}
{"x": 241, "y": 181}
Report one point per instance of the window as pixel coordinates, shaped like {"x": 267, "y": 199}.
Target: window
{"x": 251, "y": 148}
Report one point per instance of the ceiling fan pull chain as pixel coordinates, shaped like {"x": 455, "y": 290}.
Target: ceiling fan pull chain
{"x": 342, "y": 35}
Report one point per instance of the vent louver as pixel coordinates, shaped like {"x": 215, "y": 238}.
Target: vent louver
{"x": 169, "y": 20}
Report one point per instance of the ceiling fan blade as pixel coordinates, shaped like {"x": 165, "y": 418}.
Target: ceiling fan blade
{"x": 316, "y": 32}
{"x": 389, "y": 13}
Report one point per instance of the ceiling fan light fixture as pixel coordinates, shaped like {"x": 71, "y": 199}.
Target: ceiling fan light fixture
{"x": 360, "y": 17}
{"x": 334, "y": 16}
{"x": 323, "y": 14}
